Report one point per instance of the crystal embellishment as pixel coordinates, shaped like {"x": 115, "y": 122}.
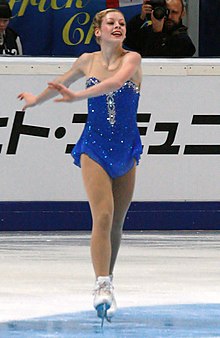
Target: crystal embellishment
{"x": 111, "y": 108}
{"x": 110, "y": 101}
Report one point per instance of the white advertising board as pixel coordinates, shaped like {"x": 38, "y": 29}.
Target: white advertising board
{"x": 179, "y": 120}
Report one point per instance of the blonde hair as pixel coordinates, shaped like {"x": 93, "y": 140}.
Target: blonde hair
{"x": 98, "y": 18}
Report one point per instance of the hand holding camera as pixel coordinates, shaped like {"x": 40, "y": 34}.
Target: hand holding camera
{"x": 156, "y": 11}
{"x": 146, "y": 9}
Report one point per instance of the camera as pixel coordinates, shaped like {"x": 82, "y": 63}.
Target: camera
{"x": 160, "y": 9}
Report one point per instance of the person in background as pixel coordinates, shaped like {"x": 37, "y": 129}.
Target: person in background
{"x": 156, "y": 34}
{"x": 10, "y": 43}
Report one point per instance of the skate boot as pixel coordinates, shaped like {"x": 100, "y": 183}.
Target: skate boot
{"x": 111, "y": 311}
{"x": 102, "y": 297}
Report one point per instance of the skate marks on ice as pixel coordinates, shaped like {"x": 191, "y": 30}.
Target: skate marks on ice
{"x": 186, "y": 320}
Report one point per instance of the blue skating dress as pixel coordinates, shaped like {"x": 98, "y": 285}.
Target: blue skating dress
{"x": 110, "y": 136}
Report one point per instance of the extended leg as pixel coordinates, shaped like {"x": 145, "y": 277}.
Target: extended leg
{"x": 99, "y": 190}
{"x": 123, "y": 188}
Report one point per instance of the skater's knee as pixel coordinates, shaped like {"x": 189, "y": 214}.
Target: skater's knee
{"x": 103, "y": 221}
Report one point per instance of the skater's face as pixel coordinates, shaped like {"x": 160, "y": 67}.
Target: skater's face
{"x": 113, "y": 28}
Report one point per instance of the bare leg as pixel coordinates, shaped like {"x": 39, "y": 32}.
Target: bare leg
{"x": 99, "y": 190}
{"x": 123, "y": 188}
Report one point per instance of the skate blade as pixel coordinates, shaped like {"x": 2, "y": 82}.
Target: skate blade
{"x": 102, "y": 312}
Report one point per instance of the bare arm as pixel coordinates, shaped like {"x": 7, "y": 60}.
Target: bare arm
{"x": 130, "y": 69}
{"x": 77, "y": 71}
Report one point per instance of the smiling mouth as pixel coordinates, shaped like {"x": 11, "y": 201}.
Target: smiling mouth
{"x": 117, "y": 34}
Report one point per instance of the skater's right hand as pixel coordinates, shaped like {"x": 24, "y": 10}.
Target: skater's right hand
{"x": 67, "y": 94}
{"x": 29, "y": 98}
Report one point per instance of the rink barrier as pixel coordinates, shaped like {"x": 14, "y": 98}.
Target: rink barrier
{"x": 176, "y": 186}
{"x": 75, "y": 216}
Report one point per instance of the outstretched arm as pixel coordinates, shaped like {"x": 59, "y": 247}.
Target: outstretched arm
{"x": 129, "y": 69}
{"x": 77, "y": 71}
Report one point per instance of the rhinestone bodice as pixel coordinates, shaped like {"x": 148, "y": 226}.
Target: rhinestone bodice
{"x": 116, "y": 104}
{"x": 110, "y": 136}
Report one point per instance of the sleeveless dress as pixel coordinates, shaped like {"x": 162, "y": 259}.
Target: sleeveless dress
{"x": 111, "y": 136}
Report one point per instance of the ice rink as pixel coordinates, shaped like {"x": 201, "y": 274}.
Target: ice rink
{"x": 167, "y": 284}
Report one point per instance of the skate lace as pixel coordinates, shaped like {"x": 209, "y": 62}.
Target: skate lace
{"x": 103, "y": 287}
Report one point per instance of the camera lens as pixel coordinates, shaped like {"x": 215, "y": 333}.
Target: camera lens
{"x": 159, "y": 13}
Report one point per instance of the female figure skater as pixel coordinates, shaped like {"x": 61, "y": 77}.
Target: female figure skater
{"x": 109, "y": 148}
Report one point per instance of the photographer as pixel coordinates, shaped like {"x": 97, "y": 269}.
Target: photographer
{"x": 159, "y": 30}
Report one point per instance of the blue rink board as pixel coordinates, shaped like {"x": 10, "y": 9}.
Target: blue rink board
{"x": 176, "y": 321}
{"x": 58, "y": 216}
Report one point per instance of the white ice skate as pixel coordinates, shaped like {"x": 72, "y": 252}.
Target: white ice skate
{"x": 113, "y": 308}
{"x": 103, "y": 297}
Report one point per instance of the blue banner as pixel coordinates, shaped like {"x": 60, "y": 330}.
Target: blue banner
{"x": 209, "y": 45}
{"x": 60, "y": 27}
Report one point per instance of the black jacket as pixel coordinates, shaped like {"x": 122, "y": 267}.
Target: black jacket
{"x": 145, "y": 41}
{"x": 11, "y": 43}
